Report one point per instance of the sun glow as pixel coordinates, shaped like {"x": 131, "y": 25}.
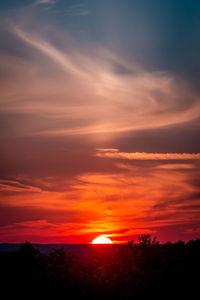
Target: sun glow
{"x": 101, "y": 240}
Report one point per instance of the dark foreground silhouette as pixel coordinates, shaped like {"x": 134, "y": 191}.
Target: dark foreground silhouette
{"x": 136, "y": 271}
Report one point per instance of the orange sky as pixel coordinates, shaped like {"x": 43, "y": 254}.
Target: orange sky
{"x": 134, "y": 199}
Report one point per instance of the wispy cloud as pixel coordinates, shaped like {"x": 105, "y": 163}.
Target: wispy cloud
{"x": 105, "y": 100}
{"x": 48, "y": 2}
{"x": 60, "y": 58}
{"x": 76, "y": 10}
{"x": 114, "y": 153}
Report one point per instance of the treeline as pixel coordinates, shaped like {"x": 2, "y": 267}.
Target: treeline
{"x": 136, "y": 271}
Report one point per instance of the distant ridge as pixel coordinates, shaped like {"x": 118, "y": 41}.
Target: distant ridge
{"x": 80, "y": 250}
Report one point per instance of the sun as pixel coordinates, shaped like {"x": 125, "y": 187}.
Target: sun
{"x": 101, "y": 240}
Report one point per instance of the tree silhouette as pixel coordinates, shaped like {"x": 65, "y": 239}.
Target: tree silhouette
{"x": 138, "y": 270}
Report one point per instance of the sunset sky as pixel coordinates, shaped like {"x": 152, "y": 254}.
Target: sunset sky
{"x": 100, "y": 120}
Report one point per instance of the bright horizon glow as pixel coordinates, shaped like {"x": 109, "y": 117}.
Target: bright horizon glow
{"x": 101, "y": 240}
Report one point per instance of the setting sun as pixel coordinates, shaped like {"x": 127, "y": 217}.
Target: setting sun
{"x": 102, "y": 240}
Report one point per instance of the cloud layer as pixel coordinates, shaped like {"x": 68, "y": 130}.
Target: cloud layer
{"x": 84, "y": 89}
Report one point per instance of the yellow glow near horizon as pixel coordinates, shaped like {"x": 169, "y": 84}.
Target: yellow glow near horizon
{"x": 101, "y": 240}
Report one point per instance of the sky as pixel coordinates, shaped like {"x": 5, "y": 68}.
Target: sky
{"x": 99, "y": 118}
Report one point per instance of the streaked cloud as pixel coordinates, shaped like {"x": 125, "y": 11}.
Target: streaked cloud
{"x": 16, "y": 186}
{"x": 114, "y": 153}
{"x": 176, "y": 166}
